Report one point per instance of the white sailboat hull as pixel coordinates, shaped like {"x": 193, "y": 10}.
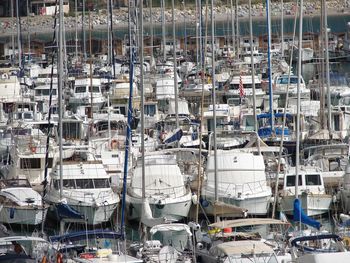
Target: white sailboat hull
{"x": 312, "y": 204}
{"x": 22, "y": 215}
{"x": 174, "y": 208}
{"x": 258, "y": 205}
{"x": 96, "y": 214}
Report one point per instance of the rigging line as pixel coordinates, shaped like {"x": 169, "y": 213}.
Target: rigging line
{"x": 54, "y": 41}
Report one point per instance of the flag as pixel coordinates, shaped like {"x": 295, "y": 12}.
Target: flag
{"x": 241, "y": 87}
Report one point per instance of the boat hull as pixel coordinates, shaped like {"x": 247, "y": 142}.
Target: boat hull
{"x": 258, "y": 206}
{"x": 22, "y": 215}
{"x": 174, "y": 208}
{"x": 94, "y": 215}
{"x": 312, "y": 204}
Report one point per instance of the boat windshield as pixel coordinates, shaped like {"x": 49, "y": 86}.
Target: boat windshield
{"x": 177, "y": 239}
{"x": 284, "y": 80}
{"x": 83, "y": 183}
{"x": 263, "y": 257}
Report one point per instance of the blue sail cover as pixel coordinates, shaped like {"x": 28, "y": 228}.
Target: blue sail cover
{"x": 65, "y": 211}
{"x": 299, "y": 215}
{"x": 175, "y": 137}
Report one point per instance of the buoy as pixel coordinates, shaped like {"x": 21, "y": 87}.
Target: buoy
{"x": 32, "y": 148}
{"x": 114, "y": 144}
{"x": 86, "y": 255}
{"x": 227, "y": 230}
{"x": 59, "y": 258}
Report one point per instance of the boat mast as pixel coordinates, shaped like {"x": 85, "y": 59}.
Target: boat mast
{"x": 60, "y": 90}
{"x": 91, "y": 83}
{"x": 83, "y": 28}
{"x": 297, "y": 160}
{"x": 253, "y": 70}
{"x": 76, "y": 28}
{"x": 329, "y": 106}
{"x": 19, "y": 47}
{"x": 12, "y": 34}
{"x": 282, "y": 30}
{"x": 151, "y": 28}
{"x": 175, "y": 67}
{"x": 233, "y": 28}
{"x": 28, "y": 28}
{"x": 269, "y": 67}
{"x": 216, "y": 197}
{"x": 163, "y": 28}
{"x": 128, "y": 128}
{"x": 49, "y": 130}
{"x": 237, "y": 30}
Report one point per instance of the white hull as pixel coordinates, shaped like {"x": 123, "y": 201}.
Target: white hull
{"x": 312, "y": 204}
{"x": 93, "y": 212}
{"x": 22, "y": 215}
{"x": 172, "y": 208}
{"x": 96, "y": 214}
{"x": 258, "y": 205}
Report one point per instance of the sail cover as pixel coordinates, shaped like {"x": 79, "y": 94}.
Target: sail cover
{"x": 66, "y": 211}
{"x": 299, "y": 215}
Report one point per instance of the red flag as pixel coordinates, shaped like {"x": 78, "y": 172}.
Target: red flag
{"x": 241, "y": 87}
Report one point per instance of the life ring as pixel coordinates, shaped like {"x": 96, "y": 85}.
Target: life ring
{"x": 114, "y": 144}
{"x": 32, "y": 148}
{"x": 86, "y": 255}
{"x": 59, "y": 258}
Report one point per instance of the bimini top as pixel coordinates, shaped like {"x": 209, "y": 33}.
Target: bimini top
{"x": 82, "y": 235}
{"x": 247, "y": 222}
{"x": 244, "y": 247}
{"x": 171, "y": 227}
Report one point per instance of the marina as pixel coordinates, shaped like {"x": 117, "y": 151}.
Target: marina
{"x": 151, "y": 132}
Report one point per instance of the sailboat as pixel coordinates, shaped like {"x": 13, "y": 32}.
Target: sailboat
{"x": 165, "y": 188}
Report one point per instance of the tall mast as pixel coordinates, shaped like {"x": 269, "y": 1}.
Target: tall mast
{"x": 329, "y": 106}
{"x": 233, "y": 28}
{"x": 175, "y": 68}
{"x": 28, "y": 28}
{"x": 151, "y": 27}
{"x": 237, "y": 30}
{"x": 19, "y": 47}
{"x": 216, "y": 197}
{"x": 163, "y": 27}
{"x": 142, "y": 106}
{"x": 282, "y": 29}
{"x": 269, "y": 67}
{"x": 60, "y": 92}
{"x": 128, "y": 128}
{"x": 297, "y": 161}
{"x": 252, "y": 66}
{"x": 83, "y": 28}
{"x": 12, "y": 34}
{"x": 76, "y": 29}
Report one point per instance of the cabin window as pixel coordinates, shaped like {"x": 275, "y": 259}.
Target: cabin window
{"x": 95, "y": 89}
{"x": 30, "y": 163}
{"x": 69, "y": 184}
{"x": 84, "y": 183}
{"x": 313, "y": 179}
{"x": 80, "y": 89}
{"x": 249, "y": 123}
{"x": 56, "y": 184}
{"x": 45, "y": 92}
{"x": 336, "y": 122}
{"x": 291, "y": 180}
{"x": 50, "y": 163}
{"x": 150, "y": 110}
{"x": 102, "y": 183}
